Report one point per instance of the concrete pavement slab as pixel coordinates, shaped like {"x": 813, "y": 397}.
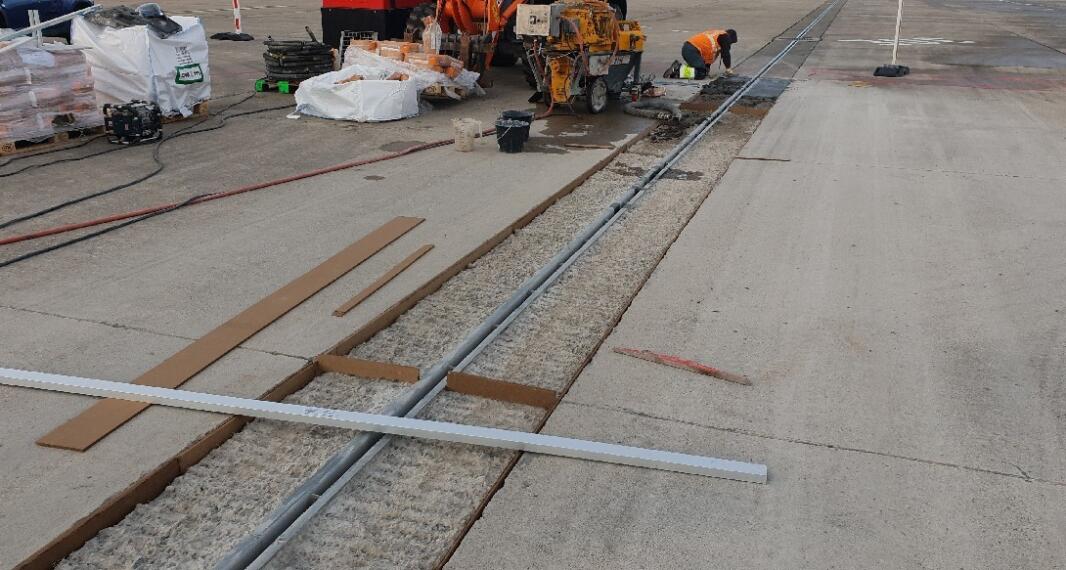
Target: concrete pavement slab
{"x": 884, "y": 264}
{"x": 823, "y": 508}
{"x": 185, "y": 272}
{"x": 839, "y": 292}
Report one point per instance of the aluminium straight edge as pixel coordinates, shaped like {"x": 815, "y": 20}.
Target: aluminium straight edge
{"x": 439, "y": 431}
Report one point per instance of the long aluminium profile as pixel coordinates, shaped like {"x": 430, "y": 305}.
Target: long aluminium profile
{"x": 426, "y": 429}
{"x": 313, "y": 494}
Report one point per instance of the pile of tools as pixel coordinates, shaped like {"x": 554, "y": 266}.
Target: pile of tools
{"x": 296, "y": 60}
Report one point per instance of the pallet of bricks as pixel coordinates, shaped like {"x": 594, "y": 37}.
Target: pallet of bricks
{"x": 46, "y": 97}
{"x": 414, "y": 54}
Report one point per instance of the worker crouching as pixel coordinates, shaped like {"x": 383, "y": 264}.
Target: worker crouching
{"x": 701, "y": 51}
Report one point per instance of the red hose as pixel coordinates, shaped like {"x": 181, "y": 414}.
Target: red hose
{"x": 219, "y": 195}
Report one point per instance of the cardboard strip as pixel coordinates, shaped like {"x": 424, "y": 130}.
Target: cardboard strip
{"x": 368, "y": 368}
{"x": 148, "y": 488}
{"x": 382, "y": 281}
{"x": 106, "y": 416}
{"x": 502, "y": 391}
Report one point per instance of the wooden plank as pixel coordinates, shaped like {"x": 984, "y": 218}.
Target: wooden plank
{"x": 382, "y": 281}
{"x": 683, "y": 364}
{"x": 502, "y": 391}
{"x": 367, "y": 368}
{"x": 83, "y": 431}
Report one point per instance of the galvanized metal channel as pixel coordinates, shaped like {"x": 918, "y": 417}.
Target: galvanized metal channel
{"x": 300, "y": 507}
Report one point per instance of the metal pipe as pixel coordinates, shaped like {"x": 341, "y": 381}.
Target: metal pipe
{"x": 48, "y": 24}
{"x": 259, "y": 547}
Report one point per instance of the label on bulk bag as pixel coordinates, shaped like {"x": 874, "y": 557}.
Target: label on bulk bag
{"x": 189, "y": 74}
{"x": 187, "y": 71}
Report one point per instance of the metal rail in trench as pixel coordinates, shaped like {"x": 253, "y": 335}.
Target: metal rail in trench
{"x": 300, "y": 507}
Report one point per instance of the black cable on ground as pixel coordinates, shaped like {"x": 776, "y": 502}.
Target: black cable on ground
{"x": 62, "y": 160}
{"x": 160, "y": 165}
{"x": 89, "y": 236}
{"x": 17, "y": 158}
{"x": 116, "y": 148}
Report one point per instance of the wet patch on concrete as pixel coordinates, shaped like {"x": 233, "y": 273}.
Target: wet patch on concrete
{"x": 399, "y": 146}
{"x": 761, "y": 95}
{"x": 545, "y": 145}
{"x": 373, "y": 177}
{"x": 756, "y": 103}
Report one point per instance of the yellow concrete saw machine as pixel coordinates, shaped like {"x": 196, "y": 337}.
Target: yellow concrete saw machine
{"x": 580, "y": 50}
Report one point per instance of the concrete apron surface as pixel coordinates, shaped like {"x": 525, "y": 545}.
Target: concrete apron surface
{"x": 115, "y": 306}
{"x": 892, "y": 282}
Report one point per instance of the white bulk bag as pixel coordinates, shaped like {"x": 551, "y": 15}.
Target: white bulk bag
{"x": 368, "y": 100}
{"x": 134, "y": 63}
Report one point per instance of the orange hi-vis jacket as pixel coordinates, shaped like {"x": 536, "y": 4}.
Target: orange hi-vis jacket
{"x": 707, "y": 43}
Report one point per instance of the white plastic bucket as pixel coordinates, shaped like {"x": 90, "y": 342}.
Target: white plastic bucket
{"x": 466, "y": 130}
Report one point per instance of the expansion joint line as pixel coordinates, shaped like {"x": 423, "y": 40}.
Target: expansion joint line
{"x": 1021, "y": 475}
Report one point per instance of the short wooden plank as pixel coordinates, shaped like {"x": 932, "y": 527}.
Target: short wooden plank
{"x": 368, "y": 368}
{"x": 382, "y": 281}
{"x": 83, "y": 431}
{"x": 473, "y": 385}
{"x": 683, "y": 364}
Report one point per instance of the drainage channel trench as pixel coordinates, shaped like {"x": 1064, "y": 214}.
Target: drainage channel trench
{"x": 412, "y": 502}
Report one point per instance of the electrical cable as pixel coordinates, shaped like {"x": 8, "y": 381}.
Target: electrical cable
{"x": 143, "y": 214}
{"x": 47, "y": 152}
{"x": 160, "y": 165}
{"x": 125, "y": 147}
{"x": 15, "y": 159}
{"x": 91, "y": 235}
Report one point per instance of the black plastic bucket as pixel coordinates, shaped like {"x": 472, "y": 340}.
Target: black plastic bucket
{"x": 511, "y": 134}
{"x": 526, "y": 116}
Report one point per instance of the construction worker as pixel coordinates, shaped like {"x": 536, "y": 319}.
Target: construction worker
{"x": 701, "y": 51}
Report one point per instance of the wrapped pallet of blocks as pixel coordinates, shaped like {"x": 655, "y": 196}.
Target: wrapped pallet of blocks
{"x": 44, "y": 93}
{"x": 134, "y": 63}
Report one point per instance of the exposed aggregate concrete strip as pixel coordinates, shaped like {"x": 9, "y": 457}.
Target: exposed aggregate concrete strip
{"x": 397, "y": 521}
{"x": 411, "y": 503}
{"x": 219, "y": 500}
{"x": 408, "y": 504}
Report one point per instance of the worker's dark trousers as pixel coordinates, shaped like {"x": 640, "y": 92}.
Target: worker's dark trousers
{"x": 692, "y": 56}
